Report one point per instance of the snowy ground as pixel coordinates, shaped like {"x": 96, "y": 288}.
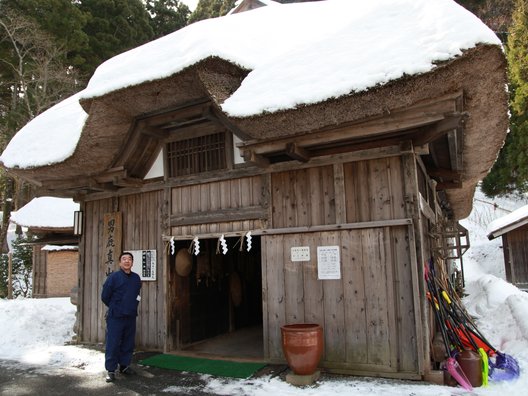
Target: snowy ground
{"x": 35, "y": 331}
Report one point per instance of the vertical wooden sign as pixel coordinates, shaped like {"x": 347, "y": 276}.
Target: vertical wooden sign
{"x": 112, "y": 239}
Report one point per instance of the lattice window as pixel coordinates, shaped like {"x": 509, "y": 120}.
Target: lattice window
{"x": 197, "y": 155}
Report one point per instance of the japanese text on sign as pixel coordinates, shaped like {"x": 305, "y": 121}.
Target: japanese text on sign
{"x": 328, "y": 262}
{"x": 300, "y": 253}
{"x": 144, "y": 264}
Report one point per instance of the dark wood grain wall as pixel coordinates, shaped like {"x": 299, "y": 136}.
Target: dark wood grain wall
{"x": 367, "y": 207}
{"x": 369, "y": 315}
{"x": 39, "y": 272}
{"x": 516, "y": 256}
{"x": 142, "y": 217}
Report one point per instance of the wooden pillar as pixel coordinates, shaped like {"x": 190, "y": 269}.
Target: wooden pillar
{"x": 10, "y": 276}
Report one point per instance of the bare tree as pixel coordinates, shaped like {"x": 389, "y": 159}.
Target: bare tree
{"x": 33, "y": 77}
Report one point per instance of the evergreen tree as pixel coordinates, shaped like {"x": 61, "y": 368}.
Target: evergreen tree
{"x": 22, "y": 265}
{"x": 510, "y": 173}
{"x": 206, "y": 9}
{"x": 167, "y": 16}
{"x": 60, "y": 20}
{"x": 114, "y": 26}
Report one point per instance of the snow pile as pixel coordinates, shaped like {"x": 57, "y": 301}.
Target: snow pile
{"x": 35, "y": 331}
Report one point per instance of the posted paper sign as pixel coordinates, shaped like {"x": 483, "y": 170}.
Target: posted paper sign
{"x": 328, "y": 262}
{"x": 144, "y": 264}
{"x": 300, "y": 253}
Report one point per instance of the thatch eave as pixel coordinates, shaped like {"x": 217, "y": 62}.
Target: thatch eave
{"x": 479, "y": 73}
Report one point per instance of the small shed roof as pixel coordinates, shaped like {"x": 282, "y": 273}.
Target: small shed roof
{"x": 48, "y": 213}
{"x": 505, "y": 224}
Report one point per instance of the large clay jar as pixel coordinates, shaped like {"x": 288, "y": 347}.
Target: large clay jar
{"x": 302, "y": 345}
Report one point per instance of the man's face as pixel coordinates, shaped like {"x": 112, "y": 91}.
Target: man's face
{"x": 126, "y": 263}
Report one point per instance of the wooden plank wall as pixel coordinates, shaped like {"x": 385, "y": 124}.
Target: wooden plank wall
{"x": 369, "y": 314}
{"x": 216, "y": 196}
{"x": 141, "y": 231}
{"x": 518, "y": 250}
{"x": 39, "y": 272}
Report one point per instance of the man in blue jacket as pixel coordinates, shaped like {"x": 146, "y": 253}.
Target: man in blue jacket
{"x": 121, "y": 295}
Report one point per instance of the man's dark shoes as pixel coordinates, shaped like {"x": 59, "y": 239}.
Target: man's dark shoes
{"x": 110, "y": 376}
{"x": 127, "y": 370}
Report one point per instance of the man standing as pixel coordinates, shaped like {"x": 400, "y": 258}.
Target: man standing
{"x": 121, "y": 295}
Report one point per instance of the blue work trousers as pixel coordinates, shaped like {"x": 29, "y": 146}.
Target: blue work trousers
{"x": 120, "y": 335}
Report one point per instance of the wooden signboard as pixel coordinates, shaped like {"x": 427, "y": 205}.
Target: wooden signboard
{"x": 112, "y": 239}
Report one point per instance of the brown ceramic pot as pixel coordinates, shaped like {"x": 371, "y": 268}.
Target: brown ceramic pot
{"x": 471, "y": 364}
{"x": 302, "y": 345}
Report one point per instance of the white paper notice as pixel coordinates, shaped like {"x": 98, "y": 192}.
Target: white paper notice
{"x": 300, "y": 253}
{"x": 328, "y": 262}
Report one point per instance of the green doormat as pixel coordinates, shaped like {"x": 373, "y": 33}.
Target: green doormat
{"x": 221, "y": 368}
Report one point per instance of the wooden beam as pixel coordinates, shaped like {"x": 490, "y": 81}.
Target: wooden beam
{"x": 416, "y": 116}
{"x": 128, "y": 182}
{"x": 151, "y": 131}
{"x": 449, "y": 123}
{"x": 219, "y": 216}
{"x": 256, "y": 159}
{"x": 297, "y": 153}
{"x": 110, "y": 174}
{"x": 186, "y": 111}
{"x": 298, "y": 230}
{"x": 215, "y": 114}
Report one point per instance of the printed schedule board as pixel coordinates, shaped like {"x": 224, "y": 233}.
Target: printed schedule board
{"x": 328, "y": 262}
{"x": 144, "y": 264}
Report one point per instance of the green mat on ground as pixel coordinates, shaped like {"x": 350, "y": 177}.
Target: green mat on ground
{"x": 221, "y": 368}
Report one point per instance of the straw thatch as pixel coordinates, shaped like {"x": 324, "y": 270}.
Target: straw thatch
{"x": 479, "y": 74}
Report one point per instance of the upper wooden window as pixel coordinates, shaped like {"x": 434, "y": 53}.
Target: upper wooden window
{"x": 197, "y": 154}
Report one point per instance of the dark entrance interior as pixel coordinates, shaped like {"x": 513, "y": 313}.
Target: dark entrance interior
{"x": 216, "y": 299}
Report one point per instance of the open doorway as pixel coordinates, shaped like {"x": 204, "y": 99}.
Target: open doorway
{"x": 215, "y": 300}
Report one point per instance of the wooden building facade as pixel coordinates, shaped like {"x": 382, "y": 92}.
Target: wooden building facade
{"x": 367, "y": 203}
{"x": 343, "y": 201}
{"x": 513, "y": 228}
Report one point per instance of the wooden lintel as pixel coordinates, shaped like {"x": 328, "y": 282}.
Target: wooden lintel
{"x": 256, "y": 159}
{"x": 300, "y": 230}
{"x": 152, "y": 132}
{"x": 185, "y": 111}
{"x": 219, "y": 216}
{"x": 451, "y": 122}
{"x": 296, "y": 152}
{"x": 110, "y": 175}
{"x": 128, "y": 182}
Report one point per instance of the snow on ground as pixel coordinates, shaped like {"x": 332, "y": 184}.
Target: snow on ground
{"x": 35, "y": 331}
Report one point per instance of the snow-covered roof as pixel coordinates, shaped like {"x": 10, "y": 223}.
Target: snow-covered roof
{"x": 59, "y": 248}
{"x": 296, "y": 54}
{"x": 46, "y": 212}
{"x": 507, "y": 223}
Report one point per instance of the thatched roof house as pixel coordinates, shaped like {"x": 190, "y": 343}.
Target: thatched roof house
{"x": 361, "y": 135}
{"x": 211, "y": 79}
